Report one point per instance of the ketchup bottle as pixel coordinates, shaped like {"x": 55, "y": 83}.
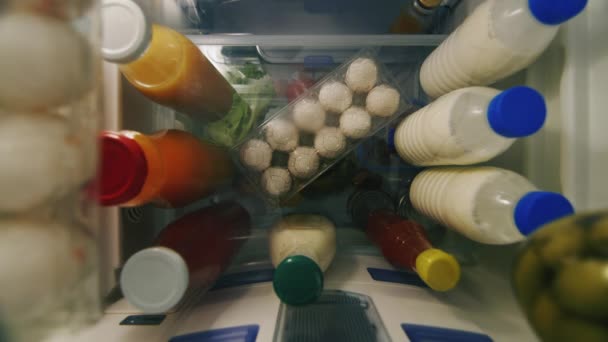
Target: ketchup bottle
{"x": 170, "y": 168}
{"x": 403, "y": 243}
{"x": 191, "y": 252}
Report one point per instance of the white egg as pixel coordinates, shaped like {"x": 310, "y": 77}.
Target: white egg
{"x": 44, "y": 62}
{"x": 335, "y": 97}
{"x": 282, "y": 135}
{"x": 276, "y": 181}
{"x": 362, "y": 75}
{"x": 40, "y": 160}
{"x": 309, "y": 115}
{"x": 256, "y": 154}
{"x": 330, "y": 142}
{"x": 303, "y": 162}
{"x": 382, "y": 101}
{"x": 355, "y": 123}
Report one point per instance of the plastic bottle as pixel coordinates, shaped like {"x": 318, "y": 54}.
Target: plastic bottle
{"x": 41, "y": 160}
{"x": 169, "y": 69}
{"x": 191, "y": 252}
{"x": 498, "y": 39}
{"x": 403, "y": 243}
{"x": 302, "y": 248}
{"x": 469, "y": 125}
{"x": 415, "y": 17}
{"x": 170, "y": 168}
{"x": 44, "y": 62}
{"x": 486, "y": 204}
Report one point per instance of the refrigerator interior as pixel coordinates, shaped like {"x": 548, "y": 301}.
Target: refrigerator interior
{"x": 360, "y": 286}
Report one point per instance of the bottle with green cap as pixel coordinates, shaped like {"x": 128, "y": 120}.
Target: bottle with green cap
{"x": 403, "y": 243}
{"x": 301, "y": 247}
{"x": 486, "y": 204}
{"x": 469, "y": 125}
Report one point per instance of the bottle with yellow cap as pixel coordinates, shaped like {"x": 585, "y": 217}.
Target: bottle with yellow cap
{"x": 415, "y": 17}
{"x": 403, "y": 243}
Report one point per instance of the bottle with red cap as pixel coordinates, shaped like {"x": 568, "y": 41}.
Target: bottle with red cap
{"x": 403, "y": 243}
{"x": 191, "y": 252}
{"x": 170, "y": 168}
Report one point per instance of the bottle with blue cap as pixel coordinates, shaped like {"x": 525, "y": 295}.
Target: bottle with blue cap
{"x": 301, "y": 248}
{"x": 469, "y": 125}
{"x": 498, "y": 39}
{"x": 486, "y": 204}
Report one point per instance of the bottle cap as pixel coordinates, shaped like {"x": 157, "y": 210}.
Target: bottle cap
{"x": 430, "y": 3}
{"x": 298, "y": 280}
{"x": 123, "y": 169}
{"x": 155, "y": 279}
{"x": 438, "y": 269}
{"x": 555, "y": 12}
{"x": 126, "y": 31}
{"x": 538, "y": 208}
{"x": 517, "y": 112}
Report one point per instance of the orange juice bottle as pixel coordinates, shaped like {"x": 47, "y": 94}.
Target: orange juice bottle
{"x": 415, "y": 17}
{"x": 170, "y": 168}
{"x": 169, "y": 69}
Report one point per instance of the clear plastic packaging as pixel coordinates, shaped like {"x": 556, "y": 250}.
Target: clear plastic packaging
{"x": 49, "y": 113}
{"x": 347, "y": 112}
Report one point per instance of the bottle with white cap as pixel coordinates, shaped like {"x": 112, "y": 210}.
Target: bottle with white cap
{"x": 498, "y": 39}
{"x": 301, "y": 248}
{"x": 191, "y": 252}
{"x": 169, "y": 69}
{"x": 486, "y": 204}
{"x": 469, "y": 125}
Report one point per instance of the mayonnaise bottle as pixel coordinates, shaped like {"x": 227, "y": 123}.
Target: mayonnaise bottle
{"x": 486, "y": 204}
{"x": 498, "y": 39}
{"x": 302, "y": 248}
{"x": 469, "y": 125}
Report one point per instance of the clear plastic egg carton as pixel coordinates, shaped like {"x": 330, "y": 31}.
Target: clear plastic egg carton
{"x": 312, "y": 133}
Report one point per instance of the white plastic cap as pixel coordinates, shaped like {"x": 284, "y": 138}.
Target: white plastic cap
{"x": 155, "y": 279}
{"x": 126, "y": 31}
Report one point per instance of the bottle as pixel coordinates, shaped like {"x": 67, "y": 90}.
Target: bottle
{"x": 486, "y": 204}
{"x": 301, "y": 248}
{"x": 41, "y": 160}
{"x": 498, "y": 39}
{"x": 45, "y": 269}
{"x": 170, "y": 168}
{"x": 57, "y": 58}
{"x": 191, "y": 252}
{"x": 403, "y": 243}
{"x": 469, "y": 125}
{"x": 415, "y": 17}
{"x": 169, "y": 69}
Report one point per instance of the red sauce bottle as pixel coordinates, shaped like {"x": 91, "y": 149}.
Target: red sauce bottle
{"x": 191, "y": 252}
{"x": 403, "y": 242}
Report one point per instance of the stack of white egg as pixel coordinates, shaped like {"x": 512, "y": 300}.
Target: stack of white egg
{"x": 315, "y": 115}
{"x": 48, "y": 154}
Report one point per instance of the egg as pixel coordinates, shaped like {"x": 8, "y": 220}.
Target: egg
{"x": 335, "y": 97}
{"x": 362, "y": 75}
{"x": 382, "y": 101}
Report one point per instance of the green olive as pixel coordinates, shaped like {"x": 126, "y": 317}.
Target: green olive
{"x": 559, "y": 242}
{"x": 598, "y": 238}
{"x": 570, "y": 329}
{"x": 544, "y": 316}
{"x": 582, "y": 288}
{"x": 529, "y": 277}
